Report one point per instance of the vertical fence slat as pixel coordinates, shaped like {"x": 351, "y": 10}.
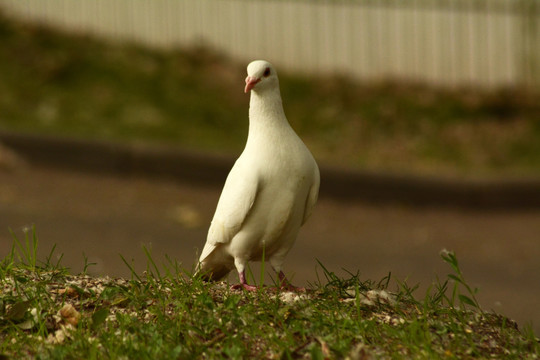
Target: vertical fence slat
{"x": 447, "y": 42}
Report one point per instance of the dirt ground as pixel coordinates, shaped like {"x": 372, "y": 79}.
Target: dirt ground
{"x": 102, "y": 216}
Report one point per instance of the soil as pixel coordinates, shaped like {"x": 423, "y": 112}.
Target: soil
{"x": 100, "y": 216}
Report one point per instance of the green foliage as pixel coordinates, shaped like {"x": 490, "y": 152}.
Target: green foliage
{"x": 465, "y": 299}
{"x": 46, "y": 313}
{"x": 55, "y": 83}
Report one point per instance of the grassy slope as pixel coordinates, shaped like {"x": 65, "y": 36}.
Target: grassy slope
{"x": 46, "y": 313}
{"x": 52, "y": 82}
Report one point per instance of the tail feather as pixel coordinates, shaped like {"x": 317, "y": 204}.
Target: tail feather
{"x": 214, "y": 264}
{"x": 212, "y": 273}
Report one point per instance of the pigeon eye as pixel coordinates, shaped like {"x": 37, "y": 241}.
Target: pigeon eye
{"x": 267, "y": 72}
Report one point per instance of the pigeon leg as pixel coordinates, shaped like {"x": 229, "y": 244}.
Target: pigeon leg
{"x": 243, "y": 283}
{"x": 286, "y": 285}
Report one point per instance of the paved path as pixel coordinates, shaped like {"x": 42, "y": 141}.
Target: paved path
{"x": 103, "y": 216}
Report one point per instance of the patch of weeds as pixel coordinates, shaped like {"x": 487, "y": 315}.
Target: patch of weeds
{"x": 166, "y": 313}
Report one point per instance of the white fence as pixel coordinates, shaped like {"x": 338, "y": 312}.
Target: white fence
{"x": 446, "y": 42}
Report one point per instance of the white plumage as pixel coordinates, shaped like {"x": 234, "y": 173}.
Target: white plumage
{"x": 269, "y": 193}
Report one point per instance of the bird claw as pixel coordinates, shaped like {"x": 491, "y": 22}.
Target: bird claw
{"x": 285, "y": 285}
{"x": 244, "y": 286}
{"x": 292, "y": 288}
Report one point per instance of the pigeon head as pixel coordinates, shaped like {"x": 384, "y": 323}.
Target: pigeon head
{"x": 261, "y": 76}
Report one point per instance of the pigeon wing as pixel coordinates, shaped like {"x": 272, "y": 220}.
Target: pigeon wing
{"x": 312, "y": 196}
{"x": 236, "y": 201}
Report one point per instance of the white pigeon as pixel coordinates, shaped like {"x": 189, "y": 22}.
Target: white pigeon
{"x": 269, "y": 193}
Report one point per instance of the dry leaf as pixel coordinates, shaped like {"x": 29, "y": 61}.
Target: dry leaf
{"x": 70, "y": 315}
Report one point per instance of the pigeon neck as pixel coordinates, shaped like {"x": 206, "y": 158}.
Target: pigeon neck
{"x": 265, "y": 109}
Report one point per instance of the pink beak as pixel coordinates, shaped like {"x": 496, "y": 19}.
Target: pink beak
{"x": 250, "y": 83}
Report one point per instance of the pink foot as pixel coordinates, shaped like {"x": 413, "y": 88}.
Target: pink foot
{"x": 244, "y": 286}
{"x": 293, "y": 288}
{"x": 286, "y": 285}
{"x": 243, "y": 283}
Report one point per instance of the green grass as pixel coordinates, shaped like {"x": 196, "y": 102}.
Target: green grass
{"x": 165, "y": 313}
{"x": 74, "y": 85}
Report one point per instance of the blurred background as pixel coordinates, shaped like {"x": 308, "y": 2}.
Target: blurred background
{"x": 409, "y": 90}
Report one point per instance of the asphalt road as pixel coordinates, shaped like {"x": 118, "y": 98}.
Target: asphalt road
{"x": 102, "y": 216}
